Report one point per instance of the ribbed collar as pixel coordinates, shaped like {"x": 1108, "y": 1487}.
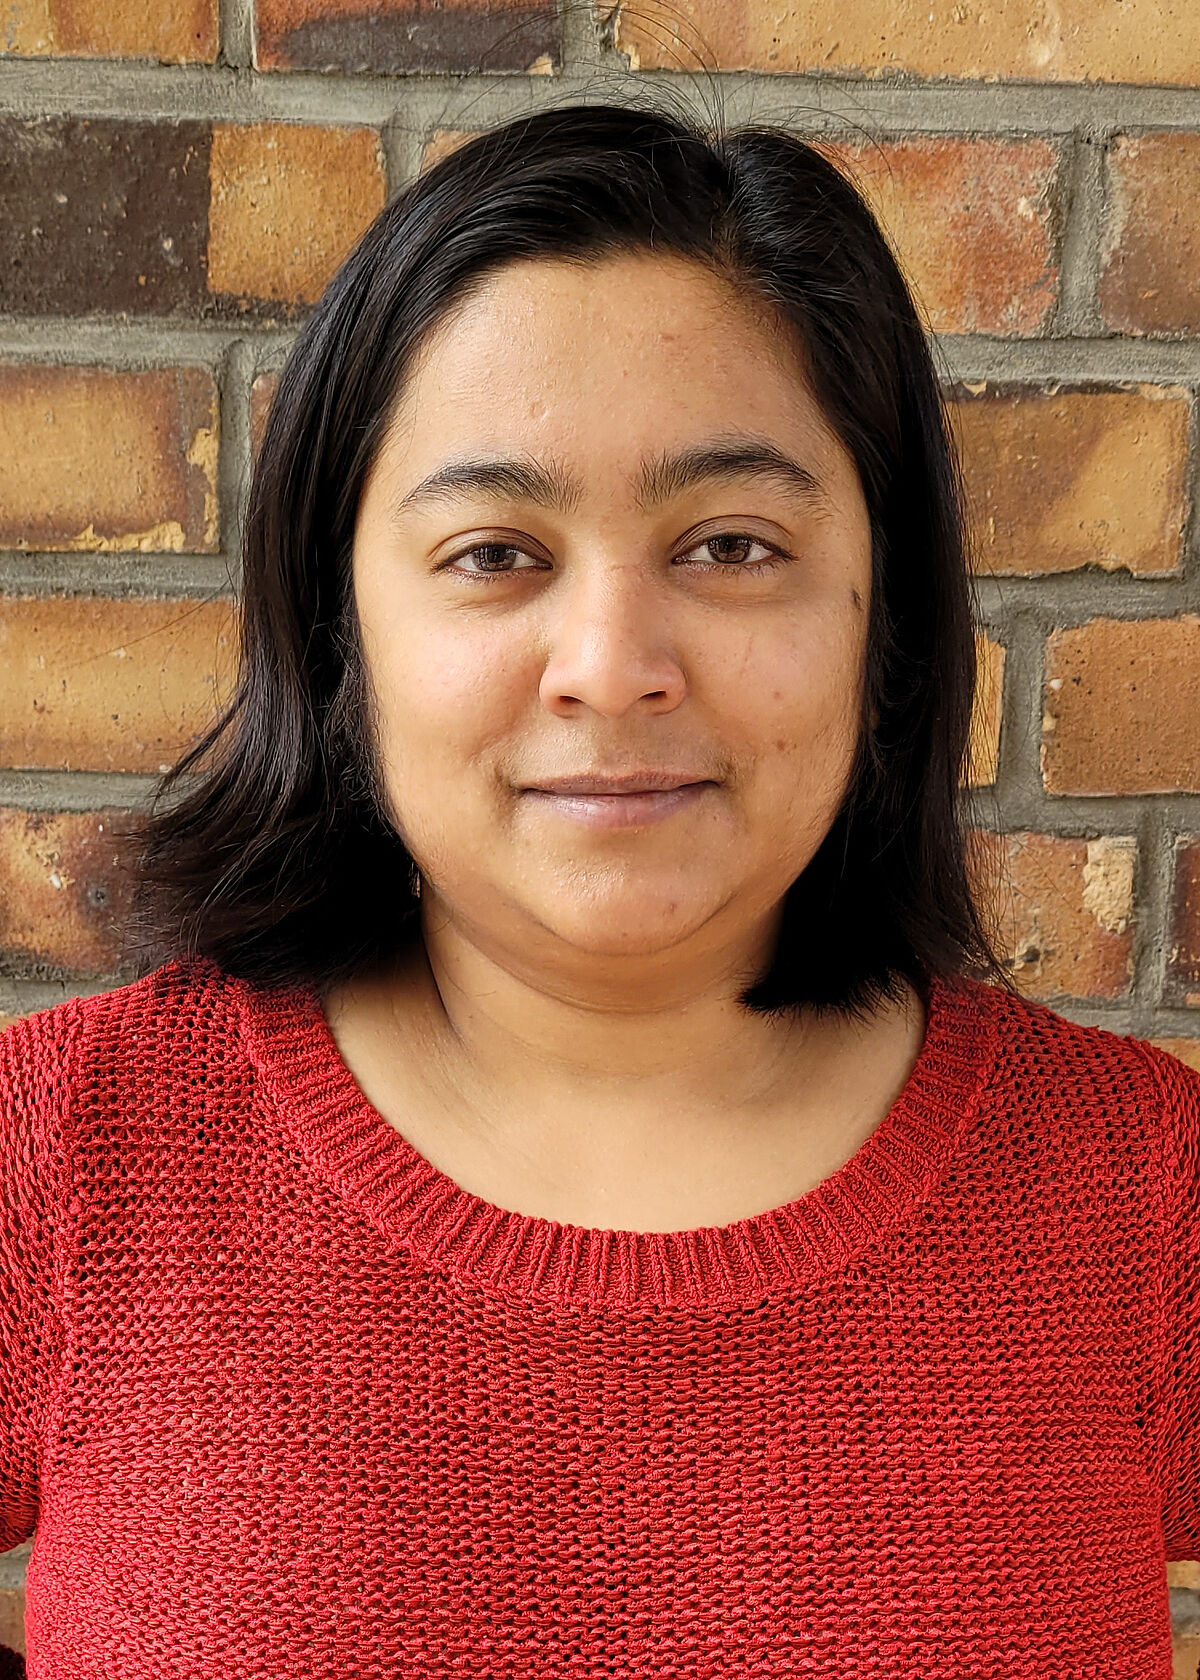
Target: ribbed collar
{"x": 418, "y": 1208}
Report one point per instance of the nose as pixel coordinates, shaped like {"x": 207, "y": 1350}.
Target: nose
{"x": 611, "y": 644}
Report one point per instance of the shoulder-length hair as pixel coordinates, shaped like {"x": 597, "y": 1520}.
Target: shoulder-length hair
{"x": 280, "y": 862}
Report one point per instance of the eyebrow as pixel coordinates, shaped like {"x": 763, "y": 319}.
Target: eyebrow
{"x": 660, "y": 477}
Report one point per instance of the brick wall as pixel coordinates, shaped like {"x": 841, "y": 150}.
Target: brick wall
{"x": 177, "y": 183}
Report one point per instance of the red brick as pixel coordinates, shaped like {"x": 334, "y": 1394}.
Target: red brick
{"x": 63, "y": 893}
{"x": 91, "y": 458}
{"x": 971, "y": 222}
{"x": 1183, "y": 934}
{"x": 1151, "y": 260}
{"x": 1071, "y": 41}
{"x": 395, "y": 36}
{"x": 1122, "y": 707}
{"x": 287, "y": 204}
{"x": 1059, "y": 479}
{"x": 89, "y": 683}
{"x": 184, "y": 32}
{"x": 1060, "y": 909}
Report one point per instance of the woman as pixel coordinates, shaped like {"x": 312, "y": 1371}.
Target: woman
{"x": 567, "y": 1197}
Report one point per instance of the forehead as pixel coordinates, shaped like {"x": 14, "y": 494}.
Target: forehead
{"x": 603, "y": 363}
{"x": 631, "y": 295}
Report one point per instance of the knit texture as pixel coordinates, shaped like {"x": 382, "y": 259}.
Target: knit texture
{"x": 282, "y": 1400}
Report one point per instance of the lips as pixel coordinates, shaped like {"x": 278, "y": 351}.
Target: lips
{"x": 650, "y": 781}
{"x": 635, "y": 807}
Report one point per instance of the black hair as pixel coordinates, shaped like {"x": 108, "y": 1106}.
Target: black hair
{"x": 280, "y": 862}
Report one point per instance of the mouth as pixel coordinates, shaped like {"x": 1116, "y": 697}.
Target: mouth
{"x": 628, "y": 809}
{"x": 648, "y": 781}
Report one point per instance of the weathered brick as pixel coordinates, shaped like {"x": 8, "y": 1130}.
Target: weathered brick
{"x": 969, "y": 219}
{"x": 1151, "y": 258}
{"x": 103, "y": 216}
{"x": 395, "y": 36}
{"x": 1182, "y": 1573}
{"x": 63, "y": 892}
{"x": 93, "y": 458}
{"x": 89, "y": 683}
{"x": 1070, "y": 41}
{"x": 1122, "y": 707}
{"x": 1058, "y": 479}
{"x": 287, "y": 204}
{"x": 184, "y": 32}
{"x": 1060, "y": 909}
{"x": 262, "y": 394}
{"x": 1183, "y": 933}
{"x": 984, "y": 747}
{"x": 971, "y": 222}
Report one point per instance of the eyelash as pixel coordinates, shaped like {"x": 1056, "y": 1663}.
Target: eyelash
{"x": 758, "y": 567}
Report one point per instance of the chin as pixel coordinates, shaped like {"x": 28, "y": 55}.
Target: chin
{"x": 628, "y": 925}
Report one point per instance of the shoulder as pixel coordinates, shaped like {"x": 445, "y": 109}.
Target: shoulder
{"x": 117, "y": 1034}
{"x": 1115, "y": 1083}
{"x": 1050, "y": 1043}
{"x": 168, "y": 995}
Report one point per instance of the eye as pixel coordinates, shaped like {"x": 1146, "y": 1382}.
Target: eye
{"x": 721, "y": 544}
{"x": 491, "y": 557}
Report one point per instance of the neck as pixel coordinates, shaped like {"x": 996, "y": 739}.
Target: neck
{"x": 643, "y": 1035}
{"x": 650, "y": 1109}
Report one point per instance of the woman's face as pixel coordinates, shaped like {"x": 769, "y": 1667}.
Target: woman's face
{"x": 610, "y": 532}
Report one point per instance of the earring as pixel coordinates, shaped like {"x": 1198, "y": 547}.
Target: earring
{"x": 414, "y": 879}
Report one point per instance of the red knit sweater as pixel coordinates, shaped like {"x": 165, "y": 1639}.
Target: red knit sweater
{"x": 282, "y": 1400}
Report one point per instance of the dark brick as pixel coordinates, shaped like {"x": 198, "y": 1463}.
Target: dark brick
{"x": 103, "y": 216}
{"x": 395, "y": 37}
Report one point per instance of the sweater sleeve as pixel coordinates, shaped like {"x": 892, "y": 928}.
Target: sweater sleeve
{"x": 1179, "y": 1422}
{"x": 34, "y": 1063}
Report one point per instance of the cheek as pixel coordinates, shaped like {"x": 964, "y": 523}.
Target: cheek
{"x": 805, "y": 715}
{"x": 442, "y": 697}
{"x": 800, "y": 682}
